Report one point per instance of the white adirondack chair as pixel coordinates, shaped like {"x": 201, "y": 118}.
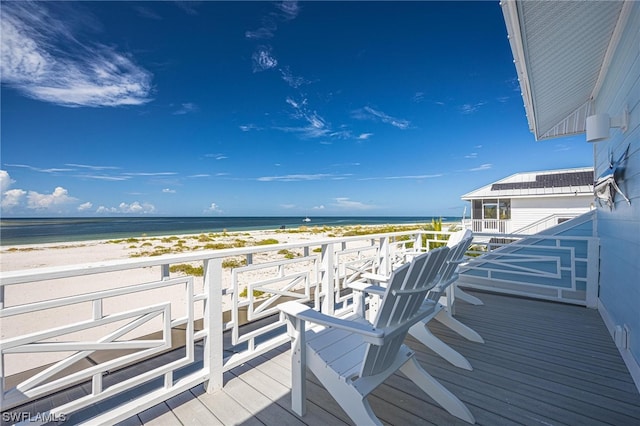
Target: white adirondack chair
{"x": 351, "y": 356}
{"x": 420, "y": 331}
{"x": 458, "y": 243}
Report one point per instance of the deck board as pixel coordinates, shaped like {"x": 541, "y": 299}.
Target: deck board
{"x": 541, "y": 363}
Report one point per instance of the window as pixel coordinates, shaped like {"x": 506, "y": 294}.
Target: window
{"x": 504, "y": 206}
{"x": 492, "y": 209}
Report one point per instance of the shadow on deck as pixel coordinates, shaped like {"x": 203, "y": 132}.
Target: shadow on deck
{"x": 541, "y": 363}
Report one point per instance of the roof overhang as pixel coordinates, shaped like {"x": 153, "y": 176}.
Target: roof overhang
{"x": 562, "y": 51}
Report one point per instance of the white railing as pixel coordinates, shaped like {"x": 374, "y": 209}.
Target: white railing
{"x": 74, "y": 332}
{"x": 545, "y": 223}
{"x": 561, "y": 268}
{"x": 491, "y": 225}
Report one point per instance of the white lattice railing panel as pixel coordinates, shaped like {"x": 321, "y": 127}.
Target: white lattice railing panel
{"x": 108, "y": 342}
{"x": 258, "y": 298}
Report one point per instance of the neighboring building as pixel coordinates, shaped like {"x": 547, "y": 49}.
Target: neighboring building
{"x": 526, "y": 203}
{"x": 578, "y": 65}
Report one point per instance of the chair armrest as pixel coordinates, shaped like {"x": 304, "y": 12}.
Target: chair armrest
{"x": 375, "y": 277}
{"x": 367, "y": 288}
{"x": 302, "y": 312}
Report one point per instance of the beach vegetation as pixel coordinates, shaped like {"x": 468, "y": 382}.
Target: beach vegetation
{"x": 256, "y": 293}
{"x": 234, "y": 263}
{"x": 170, "y": 239}
{"x": 239, "y": 243}
{"x": 288, "y": 254}
{"x": 217, "y": 246}
{"x": 159, "y": 251}
{"x": 131, "y": 240}
{"x": 13, "y": 249}
{"x": 204, "y": 238}
{"x": 317, "y": 250}
{"x": 267, "y": 241}
{"x": 187, "y": 269}
{"x": 132, "y": 246}
{"x": 146, "y": 244}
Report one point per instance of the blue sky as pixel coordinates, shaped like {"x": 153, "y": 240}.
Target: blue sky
{"x": 260, "y": 108}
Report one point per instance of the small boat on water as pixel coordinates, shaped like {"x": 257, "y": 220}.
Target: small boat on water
{"x": 306, "y": 219}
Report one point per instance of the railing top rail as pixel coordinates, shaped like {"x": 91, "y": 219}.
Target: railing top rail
{"x": 535, "y": 236}
{"x": 67, "y": 271}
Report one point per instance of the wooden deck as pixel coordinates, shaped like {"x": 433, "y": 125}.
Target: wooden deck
{"x": 542, "y": 363}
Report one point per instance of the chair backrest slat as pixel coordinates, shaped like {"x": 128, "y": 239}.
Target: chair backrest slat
{"x": 450, "y": 266}
{"x": 405, "y": 293}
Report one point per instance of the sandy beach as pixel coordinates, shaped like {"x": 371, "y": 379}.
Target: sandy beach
{"x": 20, "y": 257}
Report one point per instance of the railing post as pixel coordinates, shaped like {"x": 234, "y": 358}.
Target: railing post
{"x": 165, "y": 272}
{"x": 327, "y": 279}
{"x": 417, "y": 242}
{"x": 213, "y": 349}
{"x": 593, "y": 268}
{"x": 385, "y": 261}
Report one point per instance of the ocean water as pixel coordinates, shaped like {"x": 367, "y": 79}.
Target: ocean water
{"x": 16, "y": 231}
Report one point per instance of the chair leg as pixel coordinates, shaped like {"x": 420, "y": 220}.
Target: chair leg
{"x": 467, "y": 297}
{"x": 361, "y": 413}
{"x": 352, "y": 400}
{"x": 421, "y": 333}
{"x": 435, "y": 390}
{"x": 468, "y": 333}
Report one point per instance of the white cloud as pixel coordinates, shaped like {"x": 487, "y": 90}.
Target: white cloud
{"x": 213, "y": 208}
{"x": 42, "y": 58}
{"x": 186, "y": 108}
{"x": 38, "y": 201}
{"x": 263, "y": 59}
{"x": 315, "y": 126}
{"x": 471, "y": 155}
{"x": 289, "y": 9}
{"x": 90, "y": 167}
{"x": 216, "y": 156}
{"x": 12, "y": 198}
{"x": 320, "y": 207}
{"x": 481, "y": 168}
{"x": 267, "y": 30}
{"x": 471, "y": 108}
{"x": 248, "y": 127}
{"x": 85, "y": 206}
{"x": 293, "y": 81}
{"x": 151, "y": 174}
{"x": 299, "y": 177}
{"x": 403, "y": 177}
{"x": 123, "y": 208}
{"x": 346, "y": 203}
{"x": 364, "y": 136}
{"x": 368, "y": 113}
{"x": 5, "y": 181}
{"x": 169, "y": 191}
{"x": 418, "y": 97}
{"x": 106, "y": 177}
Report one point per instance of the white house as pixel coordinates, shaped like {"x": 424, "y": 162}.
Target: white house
{"x": 578, "y": 65}
{"x": 527, "y": 203}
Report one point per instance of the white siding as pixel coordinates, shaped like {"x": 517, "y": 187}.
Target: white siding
{"x": 619, "y": 229}
{"x": 525, "y": 211}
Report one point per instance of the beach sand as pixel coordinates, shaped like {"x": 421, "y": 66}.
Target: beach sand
{"x": 59, "y": 254}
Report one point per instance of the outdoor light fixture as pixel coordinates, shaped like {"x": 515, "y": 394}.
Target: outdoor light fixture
{"x": 598, "y": 125}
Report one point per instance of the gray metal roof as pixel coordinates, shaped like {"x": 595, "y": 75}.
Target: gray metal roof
{"x": 546, "y": 183}
{"x": 561, "y": 50}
